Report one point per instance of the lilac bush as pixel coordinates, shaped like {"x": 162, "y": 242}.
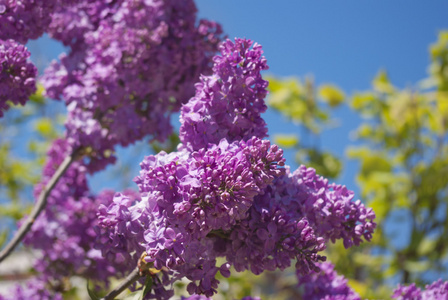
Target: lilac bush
{"x": 17, "y": 74}
{"x": 223, "y": 201}
{"x": 436, "y": 290}
{"x": 326, "y": 284}
{"x": 226, "y": 193}
{"x": 25, "y": 19}
{"x": 35, "y": 289}
{"x": 131, "y": 64}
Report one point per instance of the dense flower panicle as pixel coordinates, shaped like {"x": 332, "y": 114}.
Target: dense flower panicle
{"x": 70, "y": 22}
{"x": 330, "y": 208}
{"x": 187, "y": 198}
{"x": 120, "y": 229}
{"x": 25, "y": 19}
{"x": 269, "y": 241}
{"x": 35, "y": 289}
{"x": 74, "y": 181}
{"x": 17, "y": 74}
{"x": 202, "y": 297}
{"x": 228, "y": 103}
{"x": 437, "y": 290}
{"x": 211, "y": 188}
{"x": 224, "y": 193}
{"x": 326, "y": 285}
{"x": 64, "y": 231}
{"x": 132, "y": 63}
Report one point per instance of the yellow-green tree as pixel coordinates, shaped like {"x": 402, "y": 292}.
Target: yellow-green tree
{"x": 403, "y": 171}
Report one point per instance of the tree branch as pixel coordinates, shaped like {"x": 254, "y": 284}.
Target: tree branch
{"x": 38, "y": 207}
{"x": 130, "y": 279}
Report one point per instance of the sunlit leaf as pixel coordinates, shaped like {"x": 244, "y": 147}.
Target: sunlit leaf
{"x": 286, "y": 140}
{"x": 331, "y": 94}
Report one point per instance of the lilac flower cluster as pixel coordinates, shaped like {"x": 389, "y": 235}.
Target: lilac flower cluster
{"x": 25, "y": 19}
{"x": 330, "y": 207}
{"x": 226, "y": 194}
{"x": 202, "y": 297}
{"x": 326, "y": 285}
{"x": 36, "y": 289}
{"x": 17, "y": 75}
{"x": 229, "y": 102}
{"x": 64, "y": 232}
{"x": 132, "y": 63}
{"x": 437, "y": 290}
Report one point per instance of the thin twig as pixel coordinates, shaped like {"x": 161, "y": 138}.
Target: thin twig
{"x": 38, "y": 207}
{"x": 130, "y": 279}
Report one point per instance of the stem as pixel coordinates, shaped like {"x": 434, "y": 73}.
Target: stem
{"x": 130, "y": 279}
{"x": 38, "y": 207}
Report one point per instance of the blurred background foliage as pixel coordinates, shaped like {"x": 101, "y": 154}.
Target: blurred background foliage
{"x": 30, "y": 128}
{"x": 401, "y": 148}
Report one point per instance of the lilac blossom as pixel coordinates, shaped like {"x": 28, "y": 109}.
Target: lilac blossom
{"x": 228, "y": 103}
{"x": 17, "y": 74}
{"x": 202, "y": 297}
{"x": 227, "y": 194}
{"x": 65, "y": 230}
{"x": 25, "y": 19}
{"x": 328, "y": 206}
{"x": 35, "y": 289}
{"x": 437, "y": 290}
{"x": 132, "y": 63}
{"x": 326, "y": 285}
{"x": 120, "y": 227}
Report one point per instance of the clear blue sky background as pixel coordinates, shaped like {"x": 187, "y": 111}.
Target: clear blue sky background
{"x": 342, "y": 42}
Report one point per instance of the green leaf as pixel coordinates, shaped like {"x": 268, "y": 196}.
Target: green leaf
{"x": 286, "y": 140}
{"x": 426, "y": 246}
{"x": 3, "y": 237}
{"x": 91, "y": 293}
{"x": 416, "y": 266}
{"x": 38, "y": 96}
{"x": 331, "y": 94}
{"x": 45, "y": 128}
{"x": 148, "y": 287}
{"x": 381, "y": 83}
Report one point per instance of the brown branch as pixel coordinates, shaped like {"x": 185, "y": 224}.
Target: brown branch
{"x": 38, "y": 207}
{"x": 130, "y": 279}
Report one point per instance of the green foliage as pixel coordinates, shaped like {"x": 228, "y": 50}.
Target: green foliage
{"x": 402, "y": 152}
{"x": 404, "y": 166}
{"x": 298, "y": 101}
{"x": 168, "y": 146}
{"x": 310, "y": 108}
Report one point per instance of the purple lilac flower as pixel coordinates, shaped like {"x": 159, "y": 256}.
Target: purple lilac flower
{"x": 70, "y": 22}
{"x": 120, "y": 228}
{"x": 437, "y": 290}
{"x": 17, "y": 75}
{"x": 25, "y": 19}
{"x": 132, "y": 63}
{"x": 329, "y": 207}
{"x": 34, "y": 289}
{"x": 228, "y": 196}
{"x": 209, "y": 189}
{"x": 326, "y": 285}
{"x": 64, "y": 231}
{"x": 228, "y": 103}
{"x": 202, "y": 297}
